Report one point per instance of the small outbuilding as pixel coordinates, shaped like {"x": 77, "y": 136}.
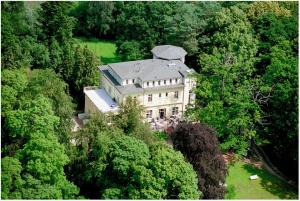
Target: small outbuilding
{"x": 98, "y": 100}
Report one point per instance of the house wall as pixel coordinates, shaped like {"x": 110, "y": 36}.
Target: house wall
{"x": 168, "y": 108}
{"x": 167, "y": 102}
{"x": 110, "y": 89}
{"x": 163, "y": 100}
{"x": 162, "y": 83}
{"x": 139, "y": 97}
{"x": 188, "y": 87}
{"x": 89, "y": 106}
{"x": 130, "y": 81}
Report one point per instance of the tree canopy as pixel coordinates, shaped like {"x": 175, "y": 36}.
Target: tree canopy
{"x": 199, "y": 144}
{"x": 113, "y": 165}
{"x": 245, "y": 56}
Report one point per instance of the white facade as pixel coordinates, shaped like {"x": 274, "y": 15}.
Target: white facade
{"x": 161, "y": 96}
{"x": 159, "y": 101}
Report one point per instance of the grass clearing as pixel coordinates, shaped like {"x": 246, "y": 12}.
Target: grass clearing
{"x": 105, "y": 50}
{"x": 266, "y": 186}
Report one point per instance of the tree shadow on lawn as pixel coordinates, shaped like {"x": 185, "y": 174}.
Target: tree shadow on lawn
{"x": 271, "y": 183}
{"x": 109, "y": 60}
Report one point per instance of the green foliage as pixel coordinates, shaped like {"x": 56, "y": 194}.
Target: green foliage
{"x": 54, "y": 21}
{"x": 272, "y": 29}
{"x": 185, "y": 28}
{"x": 153, "y": 23}
{"x": 28, "y": 118}
{"x": 230, "y": 192}
{"x": 223, "y": 89}
{"x": 20, "y": 86}
{"x": 130, "y": 115}
{"x": 129, "y": 160}
{"x": 11, "y": 181}
{"x": 278, "y": 68}
{"x": 282, "y": 131}
{"x": 131, "y": 50}
{"x": 94, "y": 18}
{"x": 47, "y": 83}
{"x": 130, "y": 120}
{"x": 13, "y": 83}
{"x": 55, "y": 54}
{"x": 160, "y": 135}
{"x": 247, "y": 74}
{"x": 108, "y": 164}
{"x": 42, "y": 156}
{"x": 85, "y": 73}
{"x": 37, "y": 158}
{"x": 170, "y": 166}
{"x": 13, "y": 28}
{"x": 200, "y": 146}
{"x": 257, "y": 9}
{"x": 40, "y": 56}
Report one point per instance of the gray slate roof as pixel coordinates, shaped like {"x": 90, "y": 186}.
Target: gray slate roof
{"x": 136, "y": 88}
{"x": 149, "y": 70}
{"x": 169, "y": 52}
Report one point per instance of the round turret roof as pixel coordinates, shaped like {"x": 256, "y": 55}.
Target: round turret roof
{"x": 169, "y": 52}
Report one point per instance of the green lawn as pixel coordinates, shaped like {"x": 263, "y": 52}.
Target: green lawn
{"x": 105, "y": 50}
{"x": 266, "y": 187}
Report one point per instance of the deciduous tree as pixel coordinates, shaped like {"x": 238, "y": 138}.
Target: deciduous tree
{"x": 200, "y": 146}
{"x": 224, "y": 82}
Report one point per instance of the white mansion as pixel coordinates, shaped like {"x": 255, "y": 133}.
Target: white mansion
{"x": 162, "y": 85}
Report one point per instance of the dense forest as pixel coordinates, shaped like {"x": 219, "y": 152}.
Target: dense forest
{"x": 246, "y": 60}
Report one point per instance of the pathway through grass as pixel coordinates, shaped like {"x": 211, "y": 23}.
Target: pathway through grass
{"x": 105, "y": 50}
{"x": 266, "y": 187}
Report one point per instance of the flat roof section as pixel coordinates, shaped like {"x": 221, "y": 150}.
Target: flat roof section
{"x": 101, "y": 100}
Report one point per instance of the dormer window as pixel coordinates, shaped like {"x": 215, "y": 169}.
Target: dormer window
{"x": 165, "y": 81}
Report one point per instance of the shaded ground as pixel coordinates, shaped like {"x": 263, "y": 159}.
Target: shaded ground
{"x": 267, "y": 186}
{"x": 104, "y": 50}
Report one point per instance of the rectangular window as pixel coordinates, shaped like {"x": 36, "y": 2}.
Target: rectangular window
{"x": 153, "y": 83}
{"x": 149, "y": 114}
{"x": 149, "y": 97}
{"x": 176, "y": 94}
{"x": 159, "y": 95}
{"x": 165, "y": 81}
{"x": 174, "y": 110}
{"x": 166, "y": 93}
{"x": 170, "y": 81}
{"x": 132, "y": 80}
{"x": 159, "y": 82}
{"x": 176, "y": 80}
{"x": 147, "y": 84}
{"x": 126, "y": 81}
